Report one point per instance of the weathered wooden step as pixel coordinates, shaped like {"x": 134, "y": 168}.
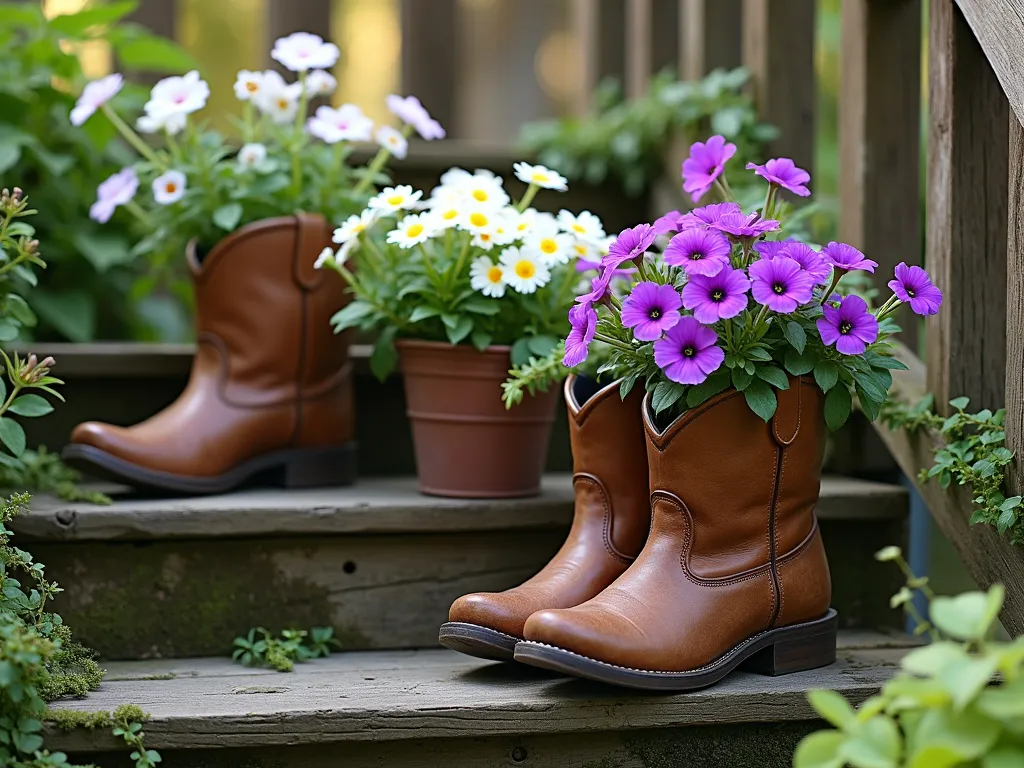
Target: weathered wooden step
{"x": 378, "y": 561}
{"x": 432, "y": 708}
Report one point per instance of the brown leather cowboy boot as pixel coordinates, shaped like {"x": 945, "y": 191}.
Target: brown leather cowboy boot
{"x": 733, "y": 571}
{"x": 271, "y": 384}
{"x": 612, "y": 517}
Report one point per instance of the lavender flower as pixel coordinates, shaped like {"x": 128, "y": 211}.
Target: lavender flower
{"x": 630, "y": 245}
{"x": 705, "y": 164}
{"x": 740, "y": 226}
{"x": 698, "y": 251}
{"x": 583, "y": 320}
{"x": 709, "y": 215}
{"x": 117, "y": 190}
{"x": 687, "y": 354}
{"x": 850, "y": 326}
{"x": 650, "y": 310}
{"x": 718, "y": 296}
{"x": 809, "y": 260}
{"x": 670, "y": 222}
{"x": 585, "y": 265}
{"x": 598, "y": 288}
{"x": 783, "y": 172}
{"x": 780, "y": 284}
{"x": 410, "y": 111}
{"x": 912, "y": 285}
{"x": 846, "y": 257}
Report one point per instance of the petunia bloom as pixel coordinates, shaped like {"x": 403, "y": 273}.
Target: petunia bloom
{"x": 670, "y": 222}
{"x": 599, "y": 287}
{"x": 780, "y": 284}
{"x": 709, "y": 215}
{"x": 716, "y": 297}
{"x": 809, "y": 260}
{"x": 320, "y": 82}
{"x": 705, "y": 164}
{"x": 346, "y": 123}
{"x": 583, "y": 322}
{"x": 650, "y": 310}
{"x": 850, "y": 326}
{"x": 177, "y": 96}
{"x": 409, "y": 110}
{"x": 630, "y": 245}
{"x": 846, "y": 257}
{"x": 698, "y": 251}
{"x": 169, "y": 187}
{"x": 783, "y": 172}
{"x": 912, "y": 285}
{"x": 251, "y": 155}
{"x": 114, "y": 191}
{"x": 740, "y": 226}
{"x": 302, "y": 51}
{"x": 687, "y": 354}
{"x": 95, "y": 95}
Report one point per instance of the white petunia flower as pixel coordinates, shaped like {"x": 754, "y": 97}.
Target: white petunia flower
{"x": 487, "y": 277}
{"x": 169, "y": 187}
{"x": 393, "y": 141}
{"x": 586, "y": 225}
{"x": 409, "y": 110}
{"x": 319, "y": 82}
{"x": 177, "y": 96}
{"x": 95, "y": 95}
{"x": 393, "y": 199}
{"x": 541, "y": 176}
{"x": 173, "y": 123}
{"x": 277, "y": 98}
{"x": 302, "y": 51}
{"x": 524, "y": 270}
{"x": 346, "y": 123}
{"x": 412, "y": 230}
{"x": 355, "y": 226}
{"x": 325, "y": 259}
{"x": 248, "y": 85}
{"x": 251, "y": 155}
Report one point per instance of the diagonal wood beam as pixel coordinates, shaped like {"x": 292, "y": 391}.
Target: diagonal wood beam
{"x": 999, "y": 27}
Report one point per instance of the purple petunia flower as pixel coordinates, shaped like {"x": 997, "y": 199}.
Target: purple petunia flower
{"x": 809, "y": 260}
{"x": 583, "y": 320}
{"x": 718, "y": 296}
{"x": 783, "y": 172}
{"x": 709, "y": 215}
{"x": 698, "y": 251}
{"x": 670, "y": 222}
{"x": 851, "y": 327}
{"x": 913, "y": 285}
{"x": 650, "y": 310}
{"x": 630, "y": 245}
{"x": 599, "y": 287}
{"x": 687, "y": 354}
{"x": 705, "y": 164}
{"x": 740, "y": 226}
{"x": 846, "y": 257}
{"x": 780, "y": 284}
{"x": 585, "y": 265}
{"x": 115, "y": 191}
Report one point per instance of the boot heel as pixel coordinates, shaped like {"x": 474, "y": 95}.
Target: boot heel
{"x": 315, "y": 468}
{"x": 786, "y": 656}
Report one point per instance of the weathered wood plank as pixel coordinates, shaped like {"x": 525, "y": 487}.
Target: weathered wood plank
{"x": 778, "y": 49}
{"x": 287, "y": 16}
{"x": 879, "y": 136}
{"x": 597, "y": 27}
{"x": 1015, "y": 306}
{"x": 967, "y": 215}
{"x": 999, "y": 27}
{"x": 383, "y": 697}
{"x": 639, "y": 59}
{"x": 711, "y": 36}
{"x": 430, "y": 56}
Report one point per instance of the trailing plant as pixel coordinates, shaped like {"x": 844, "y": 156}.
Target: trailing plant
{"x": 956, "y": 702}
{"x": 41, "y": 471}
{"x": 973, "y": 453}
{"x": 260, "y": 648}
{"x": 627, "y": 140}
{"x": 536, "y": 374}
{"x": 125, "y": 723}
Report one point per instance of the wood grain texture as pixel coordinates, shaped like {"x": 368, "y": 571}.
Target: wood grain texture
{"x": 879, "y": 137}
{"x": 287, "y": 16}
{"x": 396, "y": 696}
{"x": 783, "y": 72}
{"x": 639, "y": 54}
{"x": 430, "y": 57}
{"x": 999, "y": 27}
{"x": 989, "y": 557}
{"x": 1015, "y": 305}
{"x": 712, "y": 36}
{"x": 967, "y": 215}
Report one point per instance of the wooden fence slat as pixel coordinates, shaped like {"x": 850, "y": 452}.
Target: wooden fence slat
{"x": 639, "y": 60}
{"x": 665, "y": 39}
{"x": 879, "y": 136}
{"x": 287, "y": 16}
{"x": 1015, "y": 306}
{"x": 711, "y": 36}
{"x": 967, "y": 215}
{"x": 999, "y": 26}
{"x": 430, "y": 56}
{"x": 778, "y": 49}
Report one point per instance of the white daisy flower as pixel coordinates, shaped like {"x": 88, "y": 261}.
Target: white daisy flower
{"x": 453, "y": 176}
{"x": 478, "y": 220}
{"x": 487, "y": 277}
{"x": 551, "y": 248}
{"x": 319, "y": 82}
{"x": 586, "y": 250}
{"x": 485, "y": 239}
{"x": 524, "y": 270}
{"x": 541, "y": 176}
{"x": 169, "y": 187}
{"x": 251, "y": 155}
{"x": 605, "y": 245}
{"x": 325, "y": 259}
{"x": 586, "y": 225}
{"x": 392, "y": 199}
{"x": 411, "y": 230}
{"x": 445, "y": 215}
{"x": 346, "y": 249}
{"x": 302, "y": 51}
{"x": 355, "y": 226}
{"x": 277, "y": 98}
{"x": 248, "y": 85}
{"x": 172, "y": 122}
{"x": 484, "y": 191}
{"x": 393, "y": 141}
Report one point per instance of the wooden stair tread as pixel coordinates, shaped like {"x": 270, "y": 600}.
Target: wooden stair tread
{"x": 400, "y": 695}
{"x": 371, "y": 506}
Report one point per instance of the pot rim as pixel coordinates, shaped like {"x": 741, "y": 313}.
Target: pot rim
{"x": 424, "y": 344}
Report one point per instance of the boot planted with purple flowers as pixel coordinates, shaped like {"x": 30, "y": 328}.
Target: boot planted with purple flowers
{"x": 749, "y": 343}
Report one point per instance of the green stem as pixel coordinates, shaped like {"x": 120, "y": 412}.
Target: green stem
{"x": 379, "y": 161}
{"x": 612, "y": 342}
{"x": 248, "y": 122}
{"x": 133, "y": 138}
{"x": 837, "y": 275}
{"x": 769, "y": 201}
{"x": 531, "y": 192}
{"x": 723, "y": 188}
{"x": 298, "y": 140}
{"x": 461, "y": 261}
{"x": 891, "y": 305}
{"x": 15, "y": 389}
{"x": 20, "y": 258}
{"x": 136, "y": 210}
{"x": 761, "y": 317}
{"x": 172, "y": 144}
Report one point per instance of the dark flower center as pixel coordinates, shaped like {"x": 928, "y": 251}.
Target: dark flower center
{"x": 779, "y": 288}
{"x": 717, "y": 295}
{"x": 689, "y": 351}
{"x": 696, "y": 256}
{"x": 845, "y": 327}
{"x": 654, "y": 313}
{"x": 910, "y": 291}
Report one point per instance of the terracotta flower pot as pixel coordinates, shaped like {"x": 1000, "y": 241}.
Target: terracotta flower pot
{"x": 466, "y": 443}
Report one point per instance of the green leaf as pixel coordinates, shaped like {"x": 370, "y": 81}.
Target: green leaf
{"x": 76, "y": 24}
{"x": 462, "y": 329}
{"x": 351, "y": 315}
{"x": 819, "y": 750}
{"x": 826, "y": 374}
{"x": 774, "y": 376}
{"x": 541, "y": 346}
{"x": 1004, "y": 757}
{"x": 627, "y": 384}
{"x": 384, "y": 356}
{"x": 876, "y": 744}
{"x": 759, "y": 353}
{"x": 10, "y": 154}
{"x": 520, "y": 351}
{"x": 481, "y": 339}
{"x": 153, "y": 53}
{"x": 960, "y": 402}
{"x": 72, "y": 313}
{"x": 871, "y": 385}
{"x": 741, "y": 379}
{"x": 30, "y": 406}
{"x": 103, "y": 251}
{"x": 838, "y": 405}
{"x": 799, "y": 364}
{"x": 714, "y": 384}
{"x": 666, "y": 394}
{"x": 948, "y": 738}
{"x": 12, "y": 435}
{"x": 932, "y": 659}
{"x": 833, "y": 708}
{"x": 20, "y": 310}
{"x": 8, "y": 330}
{"x": 227, "y": 216}
{"x": 481, "y": 307}
{"x": 868, "y": 404}
{"x": 964, "y": 679}
{"x": 969, "y": 615}
{"x": 761, "y": 399}
{"x": 796, "y": 336}
{"x": 422, "y": 312}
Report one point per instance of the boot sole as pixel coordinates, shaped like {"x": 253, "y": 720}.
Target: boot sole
{"x": 774, "y": 652}
{"x": 292, "y": 468}
{"x": 474, "y": 640}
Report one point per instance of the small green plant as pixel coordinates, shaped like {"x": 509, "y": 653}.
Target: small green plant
{"x": 537, "y": 374}
{"x": 974, "y": 454}
{"x": 128, "y": 720}
{"x": 956, "y": 702}
{"x": 41, "y": 471}
{"x": 260, "y": 648}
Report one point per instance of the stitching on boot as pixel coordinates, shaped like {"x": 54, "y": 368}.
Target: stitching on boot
{"x": 609, "y": 545}
{"x": 775, "y": 549}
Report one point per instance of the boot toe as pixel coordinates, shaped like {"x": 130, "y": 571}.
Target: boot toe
{"x": 98, "y": 435}
{"x": 596, "y": 634}
{"x": 493, "y": 610}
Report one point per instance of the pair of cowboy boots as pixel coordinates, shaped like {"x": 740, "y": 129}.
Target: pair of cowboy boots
{"x": 694, "y": 549}
{"x": 270, "y": 392}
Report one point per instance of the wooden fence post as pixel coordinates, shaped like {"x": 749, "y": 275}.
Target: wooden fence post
{"x": 287, "y": 16}
{"x": 430, "y": 56}
{"x": 1015, "y": 306}
{"x": 778, "y": 49}
{"x": 711, "y": 36}
{"x": 639, "y": 61}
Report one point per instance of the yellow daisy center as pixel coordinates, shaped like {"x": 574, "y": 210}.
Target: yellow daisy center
{"x": 252, "y": 86}
{"x": 478, "y": 220}
{"x": 171, "y": 187}
{"x": 548, "y": 245}
{"x": 480, "y": 195}
{"x": 358, "y": 228}
{"x": 485, "y": 237}
{"x": 450, "y": 214}
{"x": 539, "y": 177}
{"x": 579, "y": 228}
{"x": 396, "y": 199}
{"x": 494, "y": 274}
{"x": 282, "y": 104}
{"x": 525, "y": 269}
{"x": 581, "y": 249}
{"x": 415, "y": 230}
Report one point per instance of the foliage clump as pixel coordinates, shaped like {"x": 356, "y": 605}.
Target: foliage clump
{"x": 260, "y": 648}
